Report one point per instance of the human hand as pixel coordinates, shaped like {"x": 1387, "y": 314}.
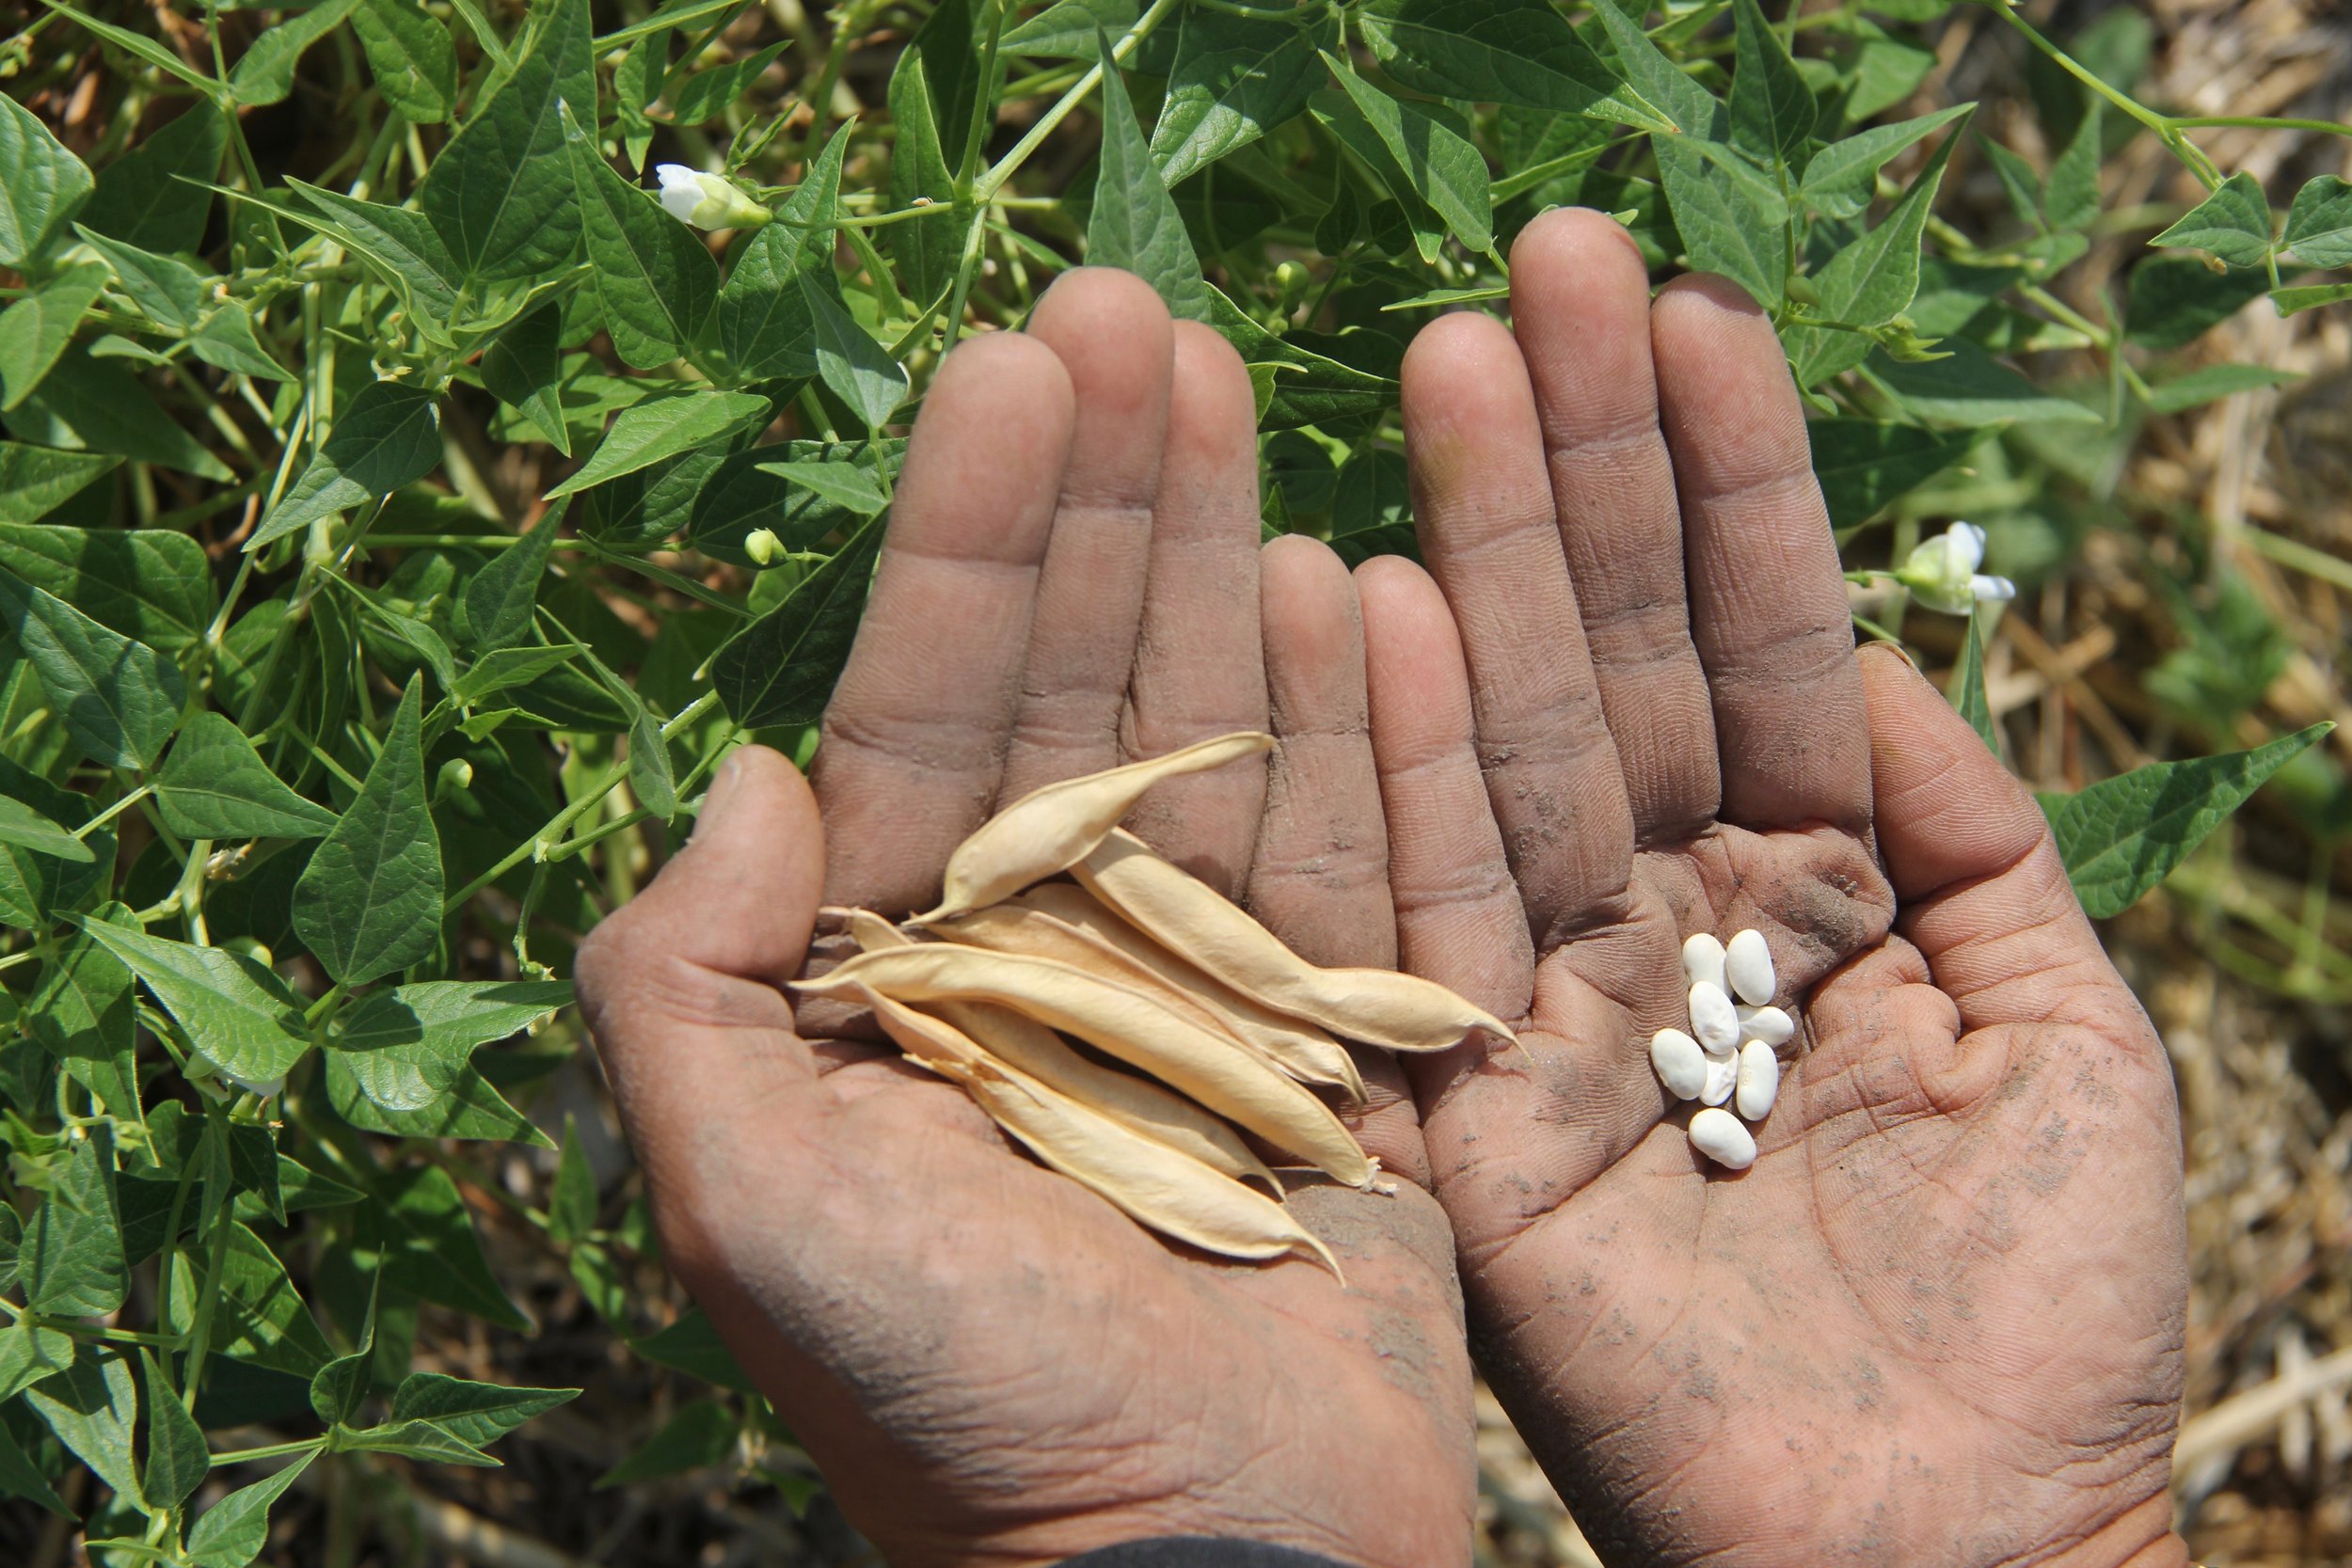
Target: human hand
{"x": 1940, "y": 1320}
{"x": 990, "y": 1363}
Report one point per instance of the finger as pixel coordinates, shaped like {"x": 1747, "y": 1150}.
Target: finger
{"x": 1321, "y": 875}
{"x": 1114, "y": 338}
{"x": 1579, "y": 308}
{"x": 1320, "y": 878}
{"x": 1458, "y": 917}
{"x": 1199, "y": 667}
{"x": 1768, "y": 598}
{"x": 682, "y": 987}
{"x": 1482, "y": 509}
{"x": 914, "y": 736}
{"x": 1977, "y": 873}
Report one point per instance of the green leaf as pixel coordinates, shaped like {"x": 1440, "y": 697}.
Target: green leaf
{"x": 390, "y": 435}
{"x": 2173, "y": 394}
{"x": 233, "y": 1531}
{"x": 469, "y": 1108}
{"x": 265, "y": 74}
{"x": 1133, "y": 222}
{"x": 1873, "y": 280}
{"x": 500, "y": 195}
{"x": 1863, "y": 465}
{"x": 1771, "y": 108}
{"x": 1971, "y": 387}
{"x": 1731, "y": 216}
{"x": 1842, "y": 177}
{"x": 71, "y": 1263}
{"x": 2293, "y": 300}
{"x": 409, "y": 1047}
{"x": 20, "y": 1477}
{"x": 90, "y": 404}
{"x": 1305, "y": 387}
{"x": 700, "y": 1435}
{"x": 475, "y": 1413}
{"x": 430, "y": 1250}
{"x": 215, "y": 784}
{"x": 2019, "y": 182}
{"x": 2124, "y": 835}
{"x": 2234, "y": 223}
{"x": 524, "y": 370}
{"x": 691, "y": 1345}
{"x": 411, "y": 57}
{"x": 339, "y": 1388}
{"x": 27, "y": 828}
{"x": 240, "y": 1016}
{"x": 370, "y": 901}
{"x": 92, "y": 1408}
{"x": 400, "y": 245}
{"x": 654, "y": 276}
{"x": 1690, "y": 108}
{"x": 85, "y": 1014}
{"x": 2319, "y": 225}
{"x": 2071, "y": 199}
{"x": 1065, "y": 30}
{"x": 36, "y": 481}
{"x": 158, "y": 194}
{"x": 119, "y": 699}
{"x": 150, "y": 583}
{"x": 170, "y": 292}
{"x": 1967, "y": 690}
{"x": 853, "y": 367}
{"x": 707, "y": 94}
{"x": 495, "y": 609}
{"x": 36, "y": 329}
{"x": 766, "y": 326}
{"x": 176, "y": 1457}
{"x": 424, "y": 1440}
{"x": 501, "y": 668}
{"x": 145, "y": 49}
{"x": 572, "y": 1206}
{"x": 926, "y": 249}
{"x": 663, "y": 426}
{"x": 846, "y": 484}
{"x": 257, "y": 1316}
{"x": 29, "y": 1353}
{"x": 1436, "y": 164}
{"x": 1235, "y": 78}
{"x": 2171, "y": 300}
{"x": 1886, "y": 71}
{"x": 780, "y": 668}
{"x": 33, "y": 886}
{"x": 225, "y": 338}
{"x": 1521, "y": 51}
{"x": 650, "y": 778}
{"x": 42, "y": 186}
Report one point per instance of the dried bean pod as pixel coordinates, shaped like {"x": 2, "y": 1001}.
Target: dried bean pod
{"x": 1156, "y": 1185}
{"x": 1130, "y": 1024}
{"x": 1048, "y": 830}
{"x": 1379, "y": 1006}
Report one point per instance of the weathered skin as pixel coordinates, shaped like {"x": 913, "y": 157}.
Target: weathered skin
{"x": 1939, "y": 1324}
{"x": 992, "y": 1364}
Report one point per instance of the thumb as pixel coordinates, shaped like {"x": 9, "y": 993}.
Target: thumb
{"x": 1977, "y": 880}
{"x": 682, "y": 987}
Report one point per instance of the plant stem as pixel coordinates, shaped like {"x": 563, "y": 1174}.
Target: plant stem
{"x": 1008, "y": 165}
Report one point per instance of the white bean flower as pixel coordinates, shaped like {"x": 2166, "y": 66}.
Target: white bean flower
{"x": 706, "y": 200}
{"x": 1941, "y": 572}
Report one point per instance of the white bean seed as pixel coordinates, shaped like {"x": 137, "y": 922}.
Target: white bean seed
{"x": 1759, "y": 1080}
{"x": 1681, "y": 1065}
{"x": 1769, "y": 1024}
{"x": 1719, "y": 1135}
{"x": 1703, "y": 959}
{"x": 1723, "y": 1077}
{"x": 1712, "y": 1018}
{"x": 1748, "y": 965}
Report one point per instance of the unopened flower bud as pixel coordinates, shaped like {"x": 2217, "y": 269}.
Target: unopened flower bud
{"x": 455, "y": 778}
{"x": 706, "y": 200}
{"x": 763, "y": 545}
{"x": 1941, "y": 572}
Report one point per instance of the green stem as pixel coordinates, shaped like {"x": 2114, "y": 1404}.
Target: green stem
{"x": 114, "y": 811}
{"x": 208, "y": 1297}
{"x": 1008, "y": 165}
{"x": 2260, "y": 122}
{"x": 271, "y": 1450}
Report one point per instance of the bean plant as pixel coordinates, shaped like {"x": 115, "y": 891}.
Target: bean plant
{"x": 411, "y": 491}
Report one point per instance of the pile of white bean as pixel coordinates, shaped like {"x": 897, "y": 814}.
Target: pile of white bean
{"x": 1727, "y": 1053}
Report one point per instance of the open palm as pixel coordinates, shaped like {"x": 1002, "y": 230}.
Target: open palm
{"x": 991, "y": 1363}
{"x": 1939, "y": 1321}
